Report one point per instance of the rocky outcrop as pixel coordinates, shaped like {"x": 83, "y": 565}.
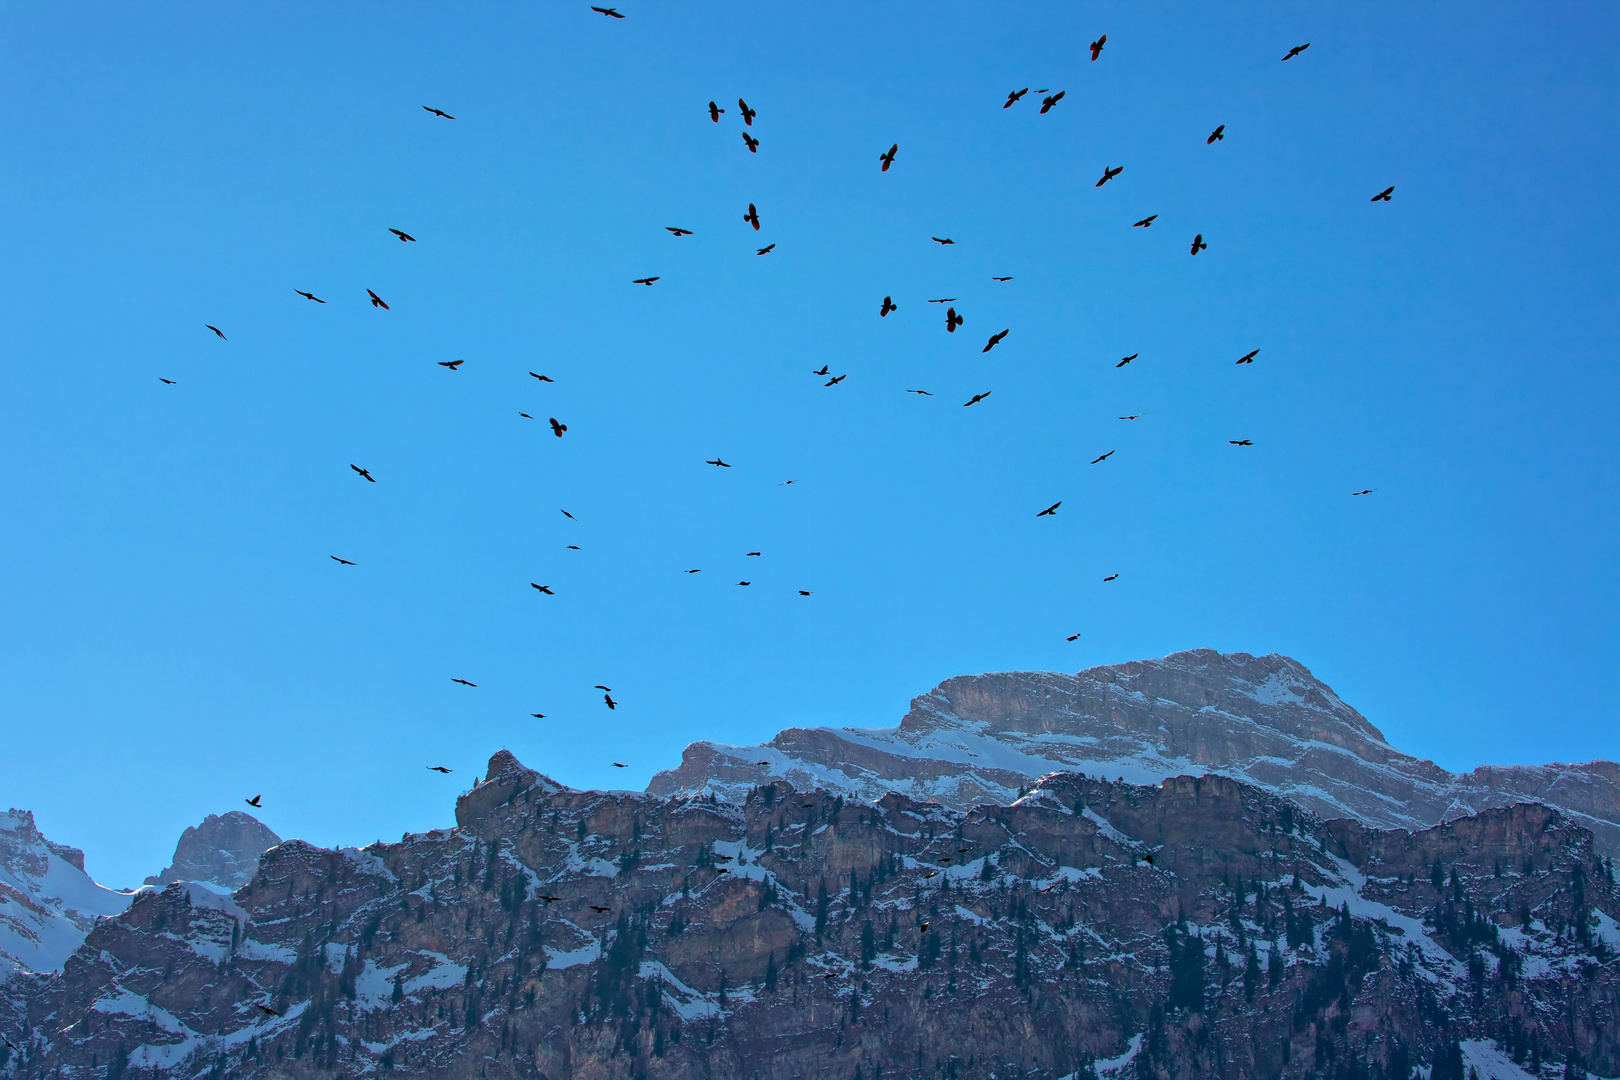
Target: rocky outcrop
{"x": 1195, "y": 927}
{"x": 1265, "y": 720}
{"x": 224, "y": 850}
{"x": 47, "y": 902}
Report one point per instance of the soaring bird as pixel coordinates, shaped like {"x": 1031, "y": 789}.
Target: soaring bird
{"x": 218, "y": 331}
{"x": 748, "y": 553}
{"x": 1109, "y": 174}
{"x": 254, "y": 802}
{"x": 753, "y": 143}
{"x": 766, "y": 250}
{"x": 567, "y": 515}
{"x": 1133, "y": 416}
{"x": 785, "y": 483}
{"x": 404, "y": 237}
{"x": 609, "y": 689}
{"x": 1296, "y": 50}
{"x": 1007, "y": 278}
{"x": 888, "y": 306}
{"x": 804, "y": 592}
{"x": 714, "y": 112}
{"x": 647, "y": 281}
{"x": 1048, "y": 102}
{"x": 171, "y": 382}
{"x": 376, "y": 301}
{"x": 608, "y": 698}
{"x": 1367, "y": 491}
{"x": 836, "y": 379}
{"x": 464, "y": 682}
{"x": 825, "y": 369}
{"x": 752, "y": 217}
{"x": 677, "y": 232}
{"x": 952, "y": 320}
{"x": 1013, "y": 96}
{"x": 439, "y": 769}
{"x": 944, "y": 300}
{"x": 1145, "y": 223}
{"x": 1072, "y": 637}
{"x": 1050, "y": 511}
{"x": 612, "y": 13}
{"x": 942, "y": 240}
{"x": 364, "y": 472}
{"x": 542, "y": 588}
{"x": 995, "y": 339}
{"x": 451, "y": 364}
{"x": 543, "y": 378}
{"x": 549, "y": 899}
{"x": 699, "y": 570}
{"x": 745, "y": 582}
{"x": 309, "y": 296}
{"x": 888, "y": 159}
{"x": 438, "y": 112}
{"x": 1110, "y": 577}
{"x": 977, "y": 398}
{"x": 538, "y": 716}
{"x": 556, "y": 428}
{"x": 1248, "y": 358}
{"x": 267, "y": 1010}
{"x": 1105, "y": 457}
{"x": 1216, "y": 136}
{"x": 1097, "y": 46}
{"x": 345, "y": 562}
{"x": 596, "y": 907}
{"x": 1198, "y": 244}
{"x": 925, "y": 393}
{"x": 1127, "y": 359}
{"x": 717, "y": 462}
{"x": 747, "y": 113}
{"x": 1241, "y": 442}
{"x": 1384, "y": 196}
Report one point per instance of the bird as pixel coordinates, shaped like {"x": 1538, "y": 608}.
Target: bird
{"x": 1368, "y": 491}
{"x": 1241, "y": 442}
{"x": 995, "y": 339}
{"x": 438, "y": 112}
{"x": 404, "y": 237}
{"x": 745, "y": 582}
{"x": 835, "y": 380}
{"x": 595, "y": 907}
{"x": 924, "y": 393}
{"x": 1145, "y": 223}
{"x": 612, "y": 13}
{"x": 766, "y": 250}
{"x": 1127, "y": 359}
{"x": 697, "y": 571}
{"x": 718, "y": 464}
{"x": 647, "y": 281}
{"x": 1013, "y": 96}
{"x": 549, "y": 899}
{"x": 943, "y": 300}
{"x": 952, "y": 320}
{"x": 714, "y": 112}
{"x": 309, "y": 296}
{"x": 262, "y": 1008}
{"x": 464, "y": 682}
{"x": 567, "y": 515}
{"x": 609, "y": 689}
{"x": 1097, "y": 46}
{"x": 785, "y": 483}
{"x": 1109, "y": 174}
{"x": 888, "y": 306}
{"x": 1296, "y": 50}
{"x": 1105, "y": 457}
{"x": 1072, "y": 637}
{"x": 542, "y": 588}
{"x": 1048, "y": 102}
{"x": 538, "y": 715}
{"x": 364, "y": 472}
{"x": 171, "y": 382}
{"x": 1050, "y": 511}
{"x": 1148, "y": 859}
{"x": 556, "y": 428}
{"x": 608, "y": 698}
{"x": 1198, "y": 244}
{"x": 345, "y": 562}
{"x": 677, "y": 231}
{"x": 943, "y": 240}
{"x": 451, "y": 364}
{"x": 525, "y": 416}
{"x": 977, "y": 398}
{"x": 218, "y": 331}
{"x": 1133, "y": 416}
{"x": 825, "y": 369}
{"x": 1216, "y": 136}
{"x": 993, "y": 278}
{"x": 924, "y": 927}
{"x": 747, "y": 113}
{"x": 888, "y": 159}
{"x": 439, "y": 769}
{"x": 573, "y": 547}
{"x": 543, "y": 378}
{"x": 747, "y": 553}
{"x": 253, "y": 801}
{"x": 376, "y": 301}
{"x": 753, "y": 143}
{"x": 1110, "y": 577}
{"x": 752, "y": 217}
{"x": 1384, "y": 196}
{"x": 1249, "y": 357}
{"x": 804, "y": 592}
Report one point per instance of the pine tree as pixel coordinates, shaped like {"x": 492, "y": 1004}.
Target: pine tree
{"x": 1251, "y": 973}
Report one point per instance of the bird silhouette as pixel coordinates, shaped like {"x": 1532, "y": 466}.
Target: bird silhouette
{"x": 542, "y": 588}
{"x": 745, "y": 582}
{"x": 747, "y": 553}
{"x": 262, "y": 1008}
{"x": 608, "y": 698}
{"x": 1127, "y": 360}
{"x": 1013, "y": 96}
{"x": 1110, "y": 577}
{"x": 714, "y": 112}
{"x": 717, "y": 462}
{"x": 1097, "y": 46}
{"x": 1368, "y": 491}
{"x": 451, "y": 364}
{"x": 218, "y": 331}
{"x": 254, "y": 802}
{"x": 1105, "y": 457}
{"x": 573, "y": 547}
{"x": 753, "y": 143}
{"x": 543, "y": 378}
{"x": 977, "y": 398}
{"x": 1216, "y": 136}
{"x": 612, "y": 13}
{"x": 1384, "y": 196}
{"x": 943, "y": 300}
{"x": 1249, "y": 357}
{"x": 925, "y": 393}
{"x": 609, "y": 689}
{"x": 364, "y": 472}
{"x": 404, "y": 238}
{"x": 952, "y": 320}
{"x": 1000, "y": 278}
{"x": 1048, "y": 102}
{"x": 888, "y": 159}
{"x": 376, "y": 301}
{"x": 1072, "y": 637}
{"x": 1296, "y": 50}
{"x": 464, "y": 682}
{"x": 752, "y": 217}
{"x": 747, "y": 113}
{"x": 309, "y": 296}
{"x": 1109, "y": 174}
{"x": 1198, "y": 244}
{"x": 995, "y": 339}
{"x": 825, "y": 369}
{"x": 1050, "y": 511}
{"x": 345, "y": 562}
{"x": 438, "y": 112}
{"x": 785, "y": 483}
{"x": 538, "y": 715}
{"x": 567, "y": 515}
{"x": 647, "y": 281}
{"x": 888, "y": 306}
{"x": 942, "y": 240}
{"x": 697, "y": 571}
{"x": 835, "y": 380}
{"x": 596, "y": 907}
{"x": 439, "y": 769}
{"x": 766, "y": 250}
{"x": 1241, "y": 442}
{"x": 549, "y": 899}
{"x": 804, "y": 592}
{"x": 171, "y": 382}
{"x": 556, "y": 428}
{"x": 1146, "y": 222}
{"x": 677, "y": 232}
{"x": 1133, "y": 416}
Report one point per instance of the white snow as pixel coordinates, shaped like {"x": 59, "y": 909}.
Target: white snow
{"x": 444, "y": 974}
{"x": 47, "y": 905}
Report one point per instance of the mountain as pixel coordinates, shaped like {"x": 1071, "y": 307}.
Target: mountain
{"x": 1265, "y": 720}
{"x": 224, "y": 850}
{"x": 1094, "y": 929}
{"x": 47, "y": 902}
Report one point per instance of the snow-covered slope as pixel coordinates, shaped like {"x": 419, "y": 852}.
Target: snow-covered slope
{"x": 47, "y": 902}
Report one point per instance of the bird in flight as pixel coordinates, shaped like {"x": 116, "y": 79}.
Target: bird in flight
{"x": 1198, "y": 244}
{"x": 1133, "y": 416}
{"x": 699, "y": 570}
{"x": 825, "y": 369}
{"x": 718, "y": 463}
{"x": 550, "y": 899}
{"x": 995, "y": 339}
{"x": 609, "y": 689}
{"x": 1048, "y": 102}
{"x": 1097, "y": 46}
{"x": 993, "y": 278}
{"x": 1110, "y": 577}
{"x": 438, "y": 112}
{"x": 538, "y": 716}
{"x": 747, "y": 553}
{"x": 943, "y": 300}
{"x": 364, "y": 472}
{"x": 1241, "y": 442}
{"x": 262, "y": 1008}
{"x": 376, "y": 301}
{"x": 766, "y": 250}
{"x": 952, "y": 320}
{"x": 714, "y": 112}
{"x": 677, "y": 232}
{"x": 977, "y": 398}
{"x": 1384, "y": 196}
{"x": 647, "y": 281}
{"x": 1249, "y": 357}
{"x": 925, "y": 393}
{"x": 752, "y": 217}
{"x": 596, "y": 907}
{"x": 543, "y": 588}
{"x": 745, "y": 582}
{"x": 218, "y": 331}
{"x": 464, "y": 682}
{"x": 1127, "y": 360}
{"x": 171, "y": 382}
{"x": 612, "y": 705}
{"x": 747, "y": 113}
{"x": 1050, "y": 511}
{"x": 1146, "y": 222}
{"x": 309, "y": 296}
{"x": 612, "y": 13}
{"x": 404, "y": 237}
{"x": 556, "y": 428}
{"x": 1072, "y": 637}
{"x": 1296, "y": 50}
{"x": 1105, "y": 457}
{"x": 543, "y": 378}
{"x": 888, "y": 159}
{"x": 888, "y": 306}
{"x": 438, "y": 769}
{"x": 1013, "y": 96}
{"x": 1216, "y": 136}
{"x": 573, "y": 547}
{"x": 804, "y": 592}
{"x": 1368, "y": 491}
{"x": 753, "y": 143}
{"x": 253, "y": 801}
{"x": 785, "y": 483}
{"x": 453, "y": 365}
{"x": 345, "y": 562}
{"x": 1109, "y": 174}
{"x": 567, "y": 515}
{"x": 942, "y": 240}
{"x": 836, "y": 379}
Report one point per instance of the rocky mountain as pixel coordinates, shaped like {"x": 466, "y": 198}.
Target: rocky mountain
{"x": 1088, "y": 928}
{"x": 224, "y": 850}
{"x": 1264, "y": 720}
{"x": 47, "y": 902}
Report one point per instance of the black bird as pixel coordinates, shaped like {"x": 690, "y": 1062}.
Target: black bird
{"x": 1384, "y": 196}
{"x": 1097, "y": 46}
{"x": 609, "y": 689}
{"x": 548, "y": 899}
{"x": 1009, "y": 278}
{"x": 364, "y": 472}
{"x": 952, "y": 320}
{"x": 753, "y": 143}
{"x": 888, "y": 306}
{"x": 697, "y": 571}
{"x": 543, "y": 378}
{"x": 944, "y": 300}
{"x": 1110, "y": 577}
{"x": 836, "y": 379}
{"x": 538, "y": 716}
{"x": 438, "y": 112}
{"x": 1127, "y": 360}
{"x": 888, "y": 159}
{"x": 1109, "y": 174}
{"x": 451, "y": 364}
{"x": 747, "y": 113}
{"x": 825, "y": 369}
{"x": 404, "y": 238}
{"x": 1216, "y": 136}
{"x": 1241, "y": 442}
{"x": 254, "y": 802}
{"x": 573, "y": 547}
{"x": 1296, "y": 50}
{"x": 218, "y": 331}
{"x": 376, "y": 301}
{"x": 943, "y": 240}
{"x": 1072, "y": 637}
{"x": 766, "y": 250}
{"x": 611, "y": 13}
{"x": 567, "y": 515}
{"x": 1248, "y": 358}
{"x": 1198, "y": 244}
{"x": 718, "y": 462}
{"x": 438, "y": 769}
{"x": 171, "y": 382}
{"x": 677, "y": 232}
{"x": 1368, "y": 491}
{"x": 262, "y": 1008}
{"x": 752, "y": 217}
{"x": 1105, "y": 457}
{"x": 748, "y": 553}
{"x": 1145, "y": 223}
{"x": 714, "y": 112}
{"x": 1050, "y": 511}
{"x": 1133, "y": 416}
{"x": 1048, "y": 102}
{"x": 1013, "y": 96}
{"x": 995, "y": 339}
{"x": 345, "y": 562}
{"x": 608, "y": 698}
{"x": 556, "y": 428}
{"x": 925, "y": 393}
{"x": 647, "y": 281}
{"x": 464, "y": 682}
{"x": 309, "y": 296}
{"x": 595, "y": 907}
{"x": 804, "y": 592}
{"x": 745, "y": 582}
{"x": 543, "y": 588}
{"x": 977, "y": 398}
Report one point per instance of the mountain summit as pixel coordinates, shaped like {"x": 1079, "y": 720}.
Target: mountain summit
{"x": 224, "y": 850}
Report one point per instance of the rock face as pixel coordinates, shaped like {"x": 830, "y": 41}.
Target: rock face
{"x": 1261, "y": 719}
{"x": 47, "y": 902}
{"x": 1197, "y": 927}
{"x": 224, "y": 850}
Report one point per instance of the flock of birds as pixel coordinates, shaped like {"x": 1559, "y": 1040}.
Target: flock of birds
{"x": 953, "y": 319}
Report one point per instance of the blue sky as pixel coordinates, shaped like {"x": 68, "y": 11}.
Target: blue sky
{"x": 176, "y": 636}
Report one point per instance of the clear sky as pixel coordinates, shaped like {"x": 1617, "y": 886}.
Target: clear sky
{"x": 176, "y": 637}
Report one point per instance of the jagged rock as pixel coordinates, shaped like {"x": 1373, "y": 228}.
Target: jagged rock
{"x": 224, "y": 850}
{"x": 47, "y": 902}
{"x": 1265, "y": 720}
